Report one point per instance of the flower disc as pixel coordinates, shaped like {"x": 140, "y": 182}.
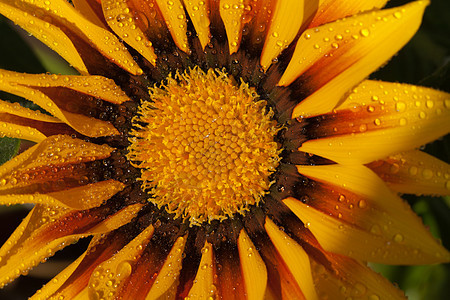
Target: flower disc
{"x": 205, "y": 146}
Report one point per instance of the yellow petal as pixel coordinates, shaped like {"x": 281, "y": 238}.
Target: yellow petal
{"x": 203, "y": 286}
{"x": 125, "y": 26}
{"x": 231, "y": 12}
{"x": 123, "y": 216}
{"x": 20, "y": 122}
{"x": 20, "y": 132}
{"x": 53, "y": 285}
{"x": 64, "y": 30}
{"x": 91, "y": 10}
{"x": 167, "y": 278}
{"x": 198, "y": 13}
{"x": 17, "y": 110}
{"x": 351, "y": 280}
{"x": 46, "y": 230}
{"x": 173, "y": 13}
{"x": 379, "y": 119}
{"x": 72, "y": 282}
{"x": 286, "y": 22}
{"x": 55, "y": 37}
{"x": 61, "y": 95}
{"x": 331, "y": 10}
{"x": 84, "y": 197}
{"x": 332, "y": 61}
{"x": 414, "y": 172}
{"x": 34, "y": 170}
{"x": 120, "y": 266}
{"x": 294, "y": 256}
{"x": 96, "y": 86}
{"x": 253, "y": 268}
{"x": 378, "y": 226}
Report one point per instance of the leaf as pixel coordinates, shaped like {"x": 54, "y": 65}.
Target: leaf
{"x": 8, "y": 148}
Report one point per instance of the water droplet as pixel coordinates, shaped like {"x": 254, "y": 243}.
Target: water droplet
{"x": 422, "y": 115}
{"x": 397, "y": 15}
{"x": 400, "y": 106}
{"x": 374, "y": 297}
{"x": 398, "y": 238}
{"x": 362, "y": 204}
{"x": 413, "y": 170}
{"x": 447, "y": 103}
{"x": 359, "y": 289}
{"x": 375, "y": 229}
{"x": 364, "y": 32}
{"x": 124, "y": 269}
{"x": 403, "y": 122}
{"x": 394, "y": 168}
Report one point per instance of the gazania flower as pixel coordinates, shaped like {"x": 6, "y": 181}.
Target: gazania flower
{"x": 220, "y": 149}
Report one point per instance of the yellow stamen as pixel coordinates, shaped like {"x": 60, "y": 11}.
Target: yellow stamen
{"x": 205, "y": 146}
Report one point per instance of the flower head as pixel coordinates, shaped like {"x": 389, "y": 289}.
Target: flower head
{"x": 220, "y": 149}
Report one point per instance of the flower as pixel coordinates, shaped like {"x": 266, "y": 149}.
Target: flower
{"x": 220, "y": 149}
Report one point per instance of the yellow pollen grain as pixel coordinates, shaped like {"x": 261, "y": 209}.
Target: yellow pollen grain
{"x": 205, "y": 146}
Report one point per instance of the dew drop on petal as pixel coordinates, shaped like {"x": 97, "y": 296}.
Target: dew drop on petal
{"x": 364, "y": 32}
{"x": 398, "y": 238}
{"x": 413, "y": 170}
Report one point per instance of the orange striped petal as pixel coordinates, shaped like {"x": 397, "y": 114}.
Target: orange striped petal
{"x": 91, "y": 10}
{"x": 118, "y": 268}
{"x": 199, "y": 15}
{"x": 359, "y": 216}
{"x": 414, "y": 172}
{"x": 295, "y": 258}
{"x": 72, "y": 282}
{"x": 125, "y": 25}
{"x": 331, "y": 10}
{"x": 60, "y": 26}
{"x": 333, "y": 58}
{"x": 253, "y": 268}
{"x": 66, "y": 96}
{"x": 286, "y": 21}
{"x": 46, "y": 230}
{"x": 351, "y": 280}
{"x": 255, "y": 25}
{"x": 84, "y": 197}
{"x": 20, "y": 122}
{"x": 55, "y": 164}
{"x": 229, "y": 280}
{"x": 379, "y": 119}
{"x": 203, "y": 286}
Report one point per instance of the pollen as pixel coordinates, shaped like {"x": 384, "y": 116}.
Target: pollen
{"x": 205, "y": 146}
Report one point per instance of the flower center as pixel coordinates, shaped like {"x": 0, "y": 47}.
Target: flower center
{"x": 205, "y": 146}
